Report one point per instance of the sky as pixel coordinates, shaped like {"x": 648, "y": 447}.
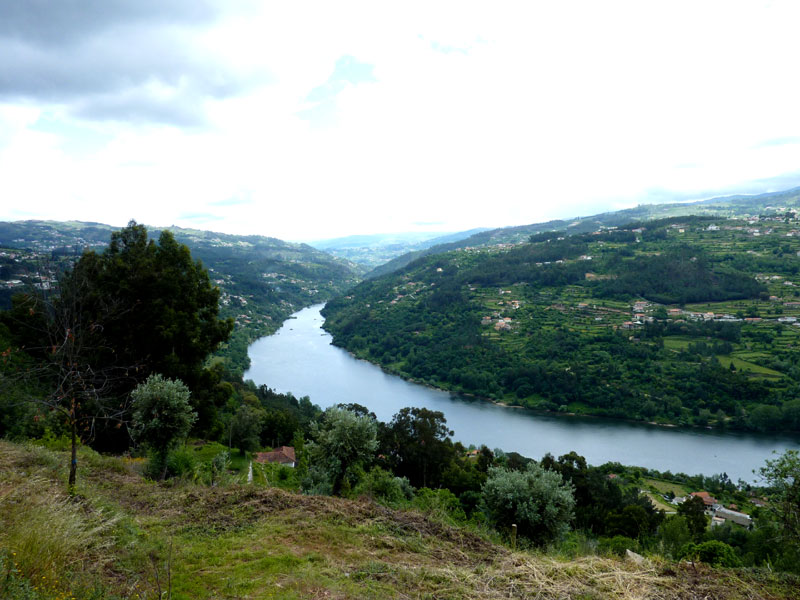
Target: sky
{"x": 312, "y": 120}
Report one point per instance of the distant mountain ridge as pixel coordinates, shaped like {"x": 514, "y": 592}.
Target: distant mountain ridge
{"x": 373, "y": 250}
{"x": 725, "y": 206}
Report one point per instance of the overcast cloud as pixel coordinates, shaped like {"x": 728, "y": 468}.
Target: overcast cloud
{"x": 309, "y": 120}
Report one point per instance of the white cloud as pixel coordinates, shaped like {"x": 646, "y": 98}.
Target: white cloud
{"x": 478, "y": 115}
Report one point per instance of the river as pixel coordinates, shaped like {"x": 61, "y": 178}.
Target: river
{"x": 299, "y": 358}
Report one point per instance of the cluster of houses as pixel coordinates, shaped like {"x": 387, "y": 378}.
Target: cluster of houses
{"x": 500, "y": 323}
{"x": 719, "y": 514}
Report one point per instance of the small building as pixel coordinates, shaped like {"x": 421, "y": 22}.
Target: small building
{"x": 707, "y": 498}
{"x": 717, "y": 521}
{"x": 734, "y": 516}
{"x": 280, "y": 456}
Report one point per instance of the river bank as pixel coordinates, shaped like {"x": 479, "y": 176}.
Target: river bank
{"x": 300, "y": 359}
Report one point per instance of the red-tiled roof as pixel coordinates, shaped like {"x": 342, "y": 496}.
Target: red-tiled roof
{"x": 282, "y": 456}
{"x": 707, "y": 499}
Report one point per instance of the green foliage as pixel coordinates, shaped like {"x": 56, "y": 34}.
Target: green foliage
{"x": 342, "y": 445}
{"x": 161, "y": 415}
{"x": 416, "y": 445}
{"x": 617, "y": 545}
{"x": 181, "y": 463}
{"x": 441, "y": 504}
{"x": 712, "y": 552}
{"x": 537, "y": 500}
{"x": 694, "y": 511}
{"x": 246, "y": 428}
{"x": 676, "y": 277}
{"x": 674, "y": 534}
{"x": 165, "y": 292}
{"x": 782, "y": 476}
{"x": 382, "y": 486}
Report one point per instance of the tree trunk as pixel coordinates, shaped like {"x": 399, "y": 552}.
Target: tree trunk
{"x": 73, "y": 464}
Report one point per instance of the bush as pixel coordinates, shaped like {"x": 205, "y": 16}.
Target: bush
{"x": 617, "y": 545}
{"x": 181, "y": 463}
{"x": 536, "y": 499}
{"x": 382, "y": 486}
{"x": 162, "y": 417}
{"x": 441, "y": 504}
{"x": 713, "y": 552}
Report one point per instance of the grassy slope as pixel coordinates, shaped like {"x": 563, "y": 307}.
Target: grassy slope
{"x": 246, "y": 542}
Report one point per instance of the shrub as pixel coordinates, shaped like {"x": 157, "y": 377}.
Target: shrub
{"x": 536, "y": 499}
{"x": 617, "y": 545}
{"x": 382, "y": 486}
{"x": 180, "y": 463}
{"x": 441, "y": 504}
{"x": 712, "y": 552}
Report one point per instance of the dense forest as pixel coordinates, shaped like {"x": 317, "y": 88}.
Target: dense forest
{"x": 685, "y": 320}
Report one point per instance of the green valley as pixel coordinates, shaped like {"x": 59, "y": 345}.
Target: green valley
{"x": 686, "y": 320}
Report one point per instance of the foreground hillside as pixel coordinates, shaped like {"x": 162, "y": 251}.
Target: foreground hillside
{"x": 689, "y": 320}
{"x": 124, "y": 537}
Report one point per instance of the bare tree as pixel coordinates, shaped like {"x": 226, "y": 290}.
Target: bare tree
{"x": 71, "y": 358}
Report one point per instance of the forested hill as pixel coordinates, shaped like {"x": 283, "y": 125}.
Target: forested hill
{"x": 686, "y": 320}
{"x": 728, "y": 206}
{"x": 263, "y": 280}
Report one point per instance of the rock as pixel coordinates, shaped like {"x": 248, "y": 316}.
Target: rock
{"x": 632, "y": 556}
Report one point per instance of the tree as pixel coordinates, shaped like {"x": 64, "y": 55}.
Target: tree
{"x": 782, "y": 476}
{"x": 537, "y": 500}
{"x": 694, "y": 510}
{"x": 416, "y": 443}
{"x": 168, "y": 308}
{"x": 343, "y": 443}
{"x": 246, "y": 428}
{"x": 674, "y": 534}
{"x": 138, "y": 308}
{"x": 58, "y": 347}
{"x": 162, "y": 416}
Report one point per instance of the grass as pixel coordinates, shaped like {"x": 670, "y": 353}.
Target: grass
{"x": 659, "y": 503}
{"x": 126, "y": 538}
{"x": 748, "y": 367}
{"x": 666, "y": 486}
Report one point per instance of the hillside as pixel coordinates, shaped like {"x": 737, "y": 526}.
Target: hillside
{"x": 691, "y": 321}
{"x": 263, "y": 280}
{"x": 128, "y": 538}
{"x": 728, "y": 206}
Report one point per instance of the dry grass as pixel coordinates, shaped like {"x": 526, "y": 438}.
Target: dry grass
{"x": 245, "y": 542}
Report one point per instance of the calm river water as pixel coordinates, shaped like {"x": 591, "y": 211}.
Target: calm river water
{"x": 300, "y": 359}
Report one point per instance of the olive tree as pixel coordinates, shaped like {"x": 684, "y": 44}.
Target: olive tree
{"x": 162, "y": 416}
{"x": 342, "y": 444}
{"x": 536, "y": 499}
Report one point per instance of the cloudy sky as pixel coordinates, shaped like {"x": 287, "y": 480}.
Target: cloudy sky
{"x": 311, "y": 120}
